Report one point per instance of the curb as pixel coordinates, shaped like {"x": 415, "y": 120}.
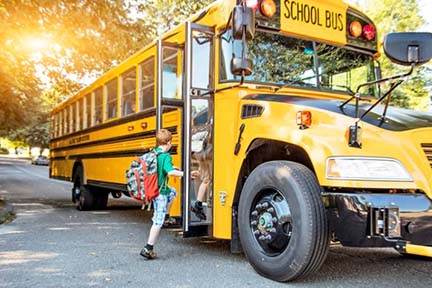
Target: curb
{"x": 7, "y": 213}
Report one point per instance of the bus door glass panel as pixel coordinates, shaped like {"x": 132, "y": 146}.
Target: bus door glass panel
{"x": 201, "y": 158}
{"x": 201, "y": 161}
{"x": 171, "y": 74}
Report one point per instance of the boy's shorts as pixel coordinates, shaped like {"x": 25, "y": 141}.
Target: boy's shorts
{"x": 160, "y": 207}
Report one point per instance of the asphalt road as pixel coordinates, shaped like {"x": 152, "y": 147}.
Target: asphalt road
{"x": 51, "y": 244}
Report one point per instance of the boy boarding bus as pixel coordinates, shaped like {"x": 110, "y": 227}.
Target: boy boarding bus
{"x": 305, "y": 147}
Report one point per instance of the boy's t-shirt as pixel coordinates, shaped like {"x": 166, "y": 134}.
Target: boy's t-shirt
{"x": 164, "y": 166}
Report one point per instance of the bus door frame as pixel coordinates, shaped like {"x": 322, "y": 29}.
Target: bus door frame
{"x": 189, "y": 91}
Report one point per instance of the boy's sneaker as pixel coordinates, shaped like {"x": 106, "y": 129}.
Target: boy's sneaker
{"x": 147, "y": 253}
{"x": 199, "y": 212}
{"x": 169, "y": 222}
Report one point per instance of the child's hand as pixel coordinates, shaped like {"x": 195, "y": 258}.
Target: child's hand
{"x": 195, "y": 174}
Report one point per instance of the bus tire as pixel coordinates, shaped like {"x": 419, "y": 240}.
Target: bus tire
{"x": 100, "y": 199}
{"x": 282, "y": 221}
{"x": 84, "y": 199}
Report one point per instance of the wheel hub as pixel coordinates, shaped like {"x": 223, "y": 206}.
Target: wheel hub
{"x": 271, "y": 222}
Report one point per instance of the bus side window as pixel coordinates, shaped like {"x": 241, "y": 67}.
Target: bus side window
{"x": 128, "y": 92}
{"x": 147, "y": 84}
{"x": 111, "y": 99}
{"x": 71, "y": 113}
{"x": 87, "y": 103}
{"x": 66, "y": 121}
{"x": 97, "y": 115}
{"x": 82, "y": 113}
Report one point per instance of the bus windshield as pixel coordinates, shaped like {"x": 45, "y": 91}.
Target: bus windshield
{"x": 287, "y": 61}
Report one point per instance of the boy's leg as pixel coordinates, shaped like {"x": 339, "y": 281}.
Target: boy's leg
{"x": 159, "y": 208}
{"x": 154, "y": 234}
{"x": 171, "y": 197}
{"x": 169, "y": 220}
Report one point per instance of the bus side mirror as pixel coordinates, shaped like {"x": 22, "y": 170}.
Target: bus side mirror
{"x": 407, "y": 48}
{"x": 241, "y": 67}
{"x": 243, "y": 23}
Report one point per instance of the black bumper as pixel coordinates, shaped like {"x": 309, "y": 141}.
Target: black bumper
{"x": 350, "y": 218}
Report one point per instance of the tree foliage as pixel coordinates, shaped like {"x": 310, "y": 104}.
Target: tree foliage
{"x": 48, "y": 49}
{"x": 401, "y": 16}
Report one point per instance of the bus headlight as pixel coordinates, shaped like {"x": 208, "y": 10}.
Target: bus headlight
{"x": 362, "y": 168}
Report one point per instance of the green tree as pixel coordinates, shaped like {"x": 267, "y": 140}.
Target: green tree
{"x": 48, "y": 48}
{"x": 401, "y": 16}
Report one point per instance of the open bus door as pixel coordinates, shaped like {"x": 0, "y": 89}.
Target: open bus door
{"x": 188, "y": 89}
{"x": 198, "y": 123}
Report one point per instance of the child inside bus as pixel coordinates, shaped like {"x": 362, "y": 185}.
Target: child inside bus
{"x": 161, "y": 204}
{"x": 204, "y": 156}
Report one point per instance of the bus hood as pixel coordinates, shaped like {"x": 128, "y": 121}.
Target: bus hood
{"x": 396, "y": 119}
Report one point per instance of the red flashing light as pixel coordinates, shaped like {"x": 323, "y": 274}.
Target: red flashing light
{"x": 368, "y": 32}
{"x": 254, "y": 4}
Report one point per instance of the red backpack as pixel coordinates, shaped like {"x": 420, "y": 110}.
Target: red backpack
{"x": 142, "y": 177}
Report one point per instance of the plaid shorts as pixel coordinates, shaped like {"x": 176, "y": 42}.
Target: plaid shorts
{"x": 160, "y": 207}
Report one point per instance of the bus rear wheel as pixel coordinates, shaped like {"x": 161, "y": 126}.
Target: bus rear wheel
{"x": 282, "y": 221}
{"x": 81, "y": 196}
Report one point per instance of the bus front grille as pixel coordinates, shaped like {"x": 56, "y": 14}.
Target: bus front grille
{"x": 427, "y": 148}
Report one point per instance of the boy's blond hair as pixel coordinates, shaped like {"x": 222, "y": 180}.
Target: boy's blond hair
{"x": 163, "y": 137}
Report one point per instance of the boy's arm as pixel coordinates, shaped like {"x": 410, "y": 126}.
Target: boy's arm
{"x": 175, "y": 173}
{"x": 171, "y": 170}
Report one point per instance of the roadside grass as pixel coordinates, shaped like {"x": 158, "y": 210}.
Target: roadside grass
{"x": 5, "y": 215}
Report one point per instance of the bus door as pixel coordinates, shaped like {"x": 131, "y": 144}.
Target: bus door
{"x": 170, "y": 105}
{"x": 198, "y": 120}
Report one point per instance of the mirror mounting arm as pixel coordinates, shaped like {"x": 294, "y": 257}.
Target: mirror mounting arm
{"x": 403, "y": 75}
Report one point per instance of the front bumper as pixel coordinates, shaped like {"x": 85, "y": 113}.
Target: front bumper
{"x": 351, "y": 219}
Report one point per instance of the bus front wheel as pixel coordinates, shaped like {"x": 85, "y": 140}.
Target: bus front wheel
{"x": 282, "y": 221}
{"x": 81, "y": 196}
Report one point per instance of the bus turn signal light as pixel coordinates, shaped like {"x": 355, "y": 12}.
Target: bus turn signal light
{"x": 355, "y": 29}
{"x": 268, "y": 8}
{"x": 304, "y": 119}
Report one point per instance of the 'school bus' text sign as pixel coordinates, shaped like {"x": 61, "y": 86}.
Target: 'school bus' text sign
{"x": 315, "y": 19}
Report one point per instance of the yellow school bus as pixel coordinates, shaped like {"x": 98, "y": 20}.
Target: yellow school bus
{"x": 304, "y": 146}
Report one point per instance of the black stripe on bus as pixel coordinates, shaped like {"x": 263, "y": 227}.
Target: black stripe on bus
{"x": 113, "y": 140}
{"x": 112, "y": 154}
